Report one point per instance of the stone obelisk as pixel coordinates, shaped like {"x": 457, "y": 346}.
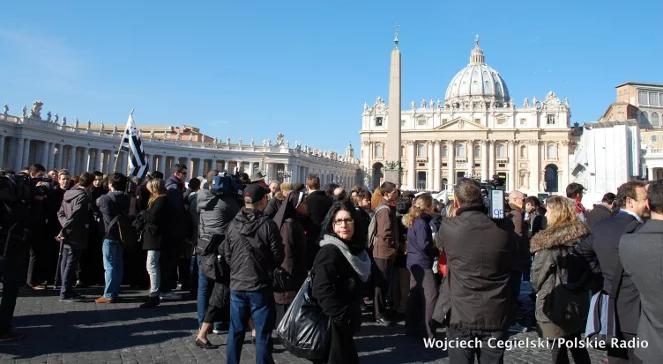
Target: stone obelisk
{"x": 393, "y": 145}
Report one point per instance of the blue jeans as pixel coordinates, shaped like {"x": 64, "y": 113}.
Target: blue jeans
{"x": 205, "y": 286}
{"x": 259, "y": 306}
{"x": 113, "y": 267}
{"x": 68, "y": 264}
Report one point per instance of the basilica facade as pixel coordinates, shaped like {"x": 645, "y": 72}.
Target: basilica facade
{"x": 476, "y": 131}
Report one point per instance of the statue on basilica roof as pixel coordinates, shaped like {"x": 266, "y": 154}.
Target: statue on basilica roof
{"x": 35, "y": 113}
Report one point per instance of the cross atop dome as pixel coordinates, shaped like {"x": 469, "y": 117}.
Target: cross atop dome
{"x": 477, "y": 57}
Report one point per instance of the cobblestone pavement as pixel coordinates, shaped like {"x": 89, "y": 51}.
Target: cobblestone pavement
{"x": 85, "y": 332}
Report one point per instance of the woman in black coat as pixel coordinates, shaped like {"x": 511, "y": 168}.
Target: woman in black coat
{"x": 339, "y": 272}
{"x": 156, "y": 220}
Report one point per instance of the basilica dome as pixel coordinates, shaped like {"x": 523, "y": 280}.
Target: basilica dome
{"x": 477, "y": 82}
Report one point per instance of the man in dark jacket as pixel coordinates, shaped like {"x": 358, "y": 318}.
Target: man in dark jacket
{"x": 111, "y": 205}
{"x": 641, "y": 254}
{"x": 318, "y": 204}
{"x": 216, "y": 209}
{"x": 74, "y": 217}
{"x": 478, "y": 293}
{"x": 179, "y": 226}
{"x": 603, "y": 210}
{"x": 252, "y": 249}
{"x": 603, "y": 245}
{"x": 384, "y": 251}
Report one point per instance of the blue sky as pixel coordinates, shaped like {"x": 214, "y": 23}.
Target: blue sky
{"x": 254, "y": 68}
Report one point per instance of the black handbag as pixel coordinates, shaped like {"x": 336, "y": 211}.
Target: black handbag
{"x": 305, "y": 329}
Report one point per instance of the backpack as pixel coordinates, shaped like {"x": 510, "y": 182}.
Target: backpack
{"x": 128, "y": 235}
{"x": 373, "y": 226}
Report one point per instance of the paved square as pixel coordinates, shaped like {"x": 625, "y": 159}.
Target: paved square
{"x": 85, "y": 332}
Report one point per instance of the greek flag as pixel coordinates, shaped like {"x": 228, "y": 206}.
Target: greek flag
{"x": 131, "y": 143}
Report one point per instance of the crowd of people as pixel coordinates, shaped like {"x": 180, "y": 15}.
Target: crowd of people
{"x": 242, "y": 247}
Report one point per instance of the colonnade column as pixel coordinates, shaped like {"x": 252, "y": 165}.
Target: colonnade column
{"x": 201, "y": 169}
{"x": 18, "y": 162}
{"x": 51, "y": 156}
{"x": 436, "y": 166}
{"x": 72, "y": 160}
{"x": 451, "y": 164}
{"x": 26, "y": 153}
{"x": 2, "y": 151}
{"x": 60, "y": 159}
{"x": 44, "y": 154}
{"x": 162, "y": 164}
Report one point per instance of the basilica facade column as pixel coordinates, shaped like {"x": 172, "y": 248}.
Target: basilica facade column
{"x": 470, "y": 158}
{"x": 451, "y": 163}
{"x": 512, "y": 165}
{"x": 491, "y": 159}
{"x": 534, "y": 164}
{"x": 484, "y": 161}
{"x": 411, "y": 165}
{"x": 436, "y": 166}
{"x": 429, "y": 175}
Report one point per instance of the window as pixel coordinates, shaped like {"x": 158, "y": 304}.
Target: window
{"x": 523, "y": 121}
{"x": 444, "y": 152}
{"x": 378, "y": 121}
{"x": 477, "y": 121}
{"x": 421, "y": 150}
{"x": 660, "y": 99}
{"x": 379, "y": 151}
{"x": 551, "y": 151}
{"x": 653, "y": 99}
{"x": 644, "y": 117}
{"x": 402, "y": 122}
{"x": 550, "y": 119}
{"x": 421, "y": 120}
{"x": 501, "y": 151}
{"x": 653, "y": 138}
{"x": 642, "y": 97}
{"x": 460, "y": 150}
{"x": 523, "y": 152}
{"x": 421, "y": 180}
{"x": 501, "y": 121}
{"x": 444, "y": 121}
{"x": 654, "y": 120}
{"x": 477, "y": 151}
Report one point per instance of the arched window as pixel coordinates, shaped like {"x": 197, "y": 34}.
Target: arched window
{"x": 476, "y": 151}
{"x": 421, "y": 150}
{"x": 551, "y": 151}
{"x": 379, "y": 151}
{"x": 654, "y": 120}
{"x": 523, "y": 152}
{"x": 460, "y": 150}
{"x": 644, "y": 117}
{"x": 445, "y": 151}
{"x": 501, "y": 151}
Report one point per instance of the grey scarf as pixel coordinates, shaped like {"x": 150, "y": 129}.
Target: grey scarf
{"x": 361, "y": 263}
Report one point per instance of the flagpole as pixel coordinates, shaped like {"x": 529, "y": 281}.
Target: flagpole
{"x": 117, "y": 156}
